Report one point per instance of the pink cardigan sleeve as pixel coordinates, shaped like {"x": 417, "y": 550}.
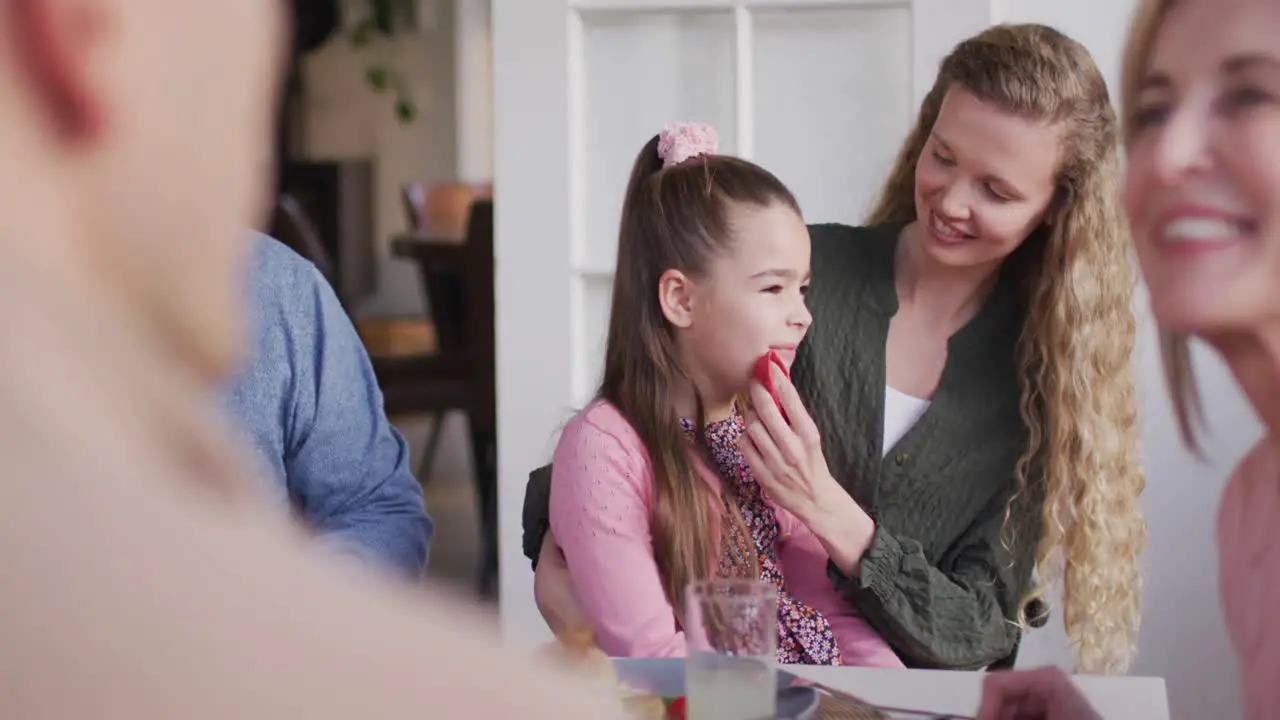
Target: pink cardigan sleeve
{"x": 601, "y": 490}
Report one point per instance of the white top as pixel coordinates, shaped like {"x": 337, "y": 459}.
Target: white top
{"x": 901, "y": 411}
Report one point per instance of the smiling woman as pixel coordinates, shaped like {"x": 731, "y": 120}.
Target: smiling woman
{"x": 1018, "y": 133}
{"x": 986, "y": 179}
{"x": 1202, "y": 110}
{"x": 1198, "y": 236}
{"x": 1202, "y": 99}
{"x": 963, "y": 408}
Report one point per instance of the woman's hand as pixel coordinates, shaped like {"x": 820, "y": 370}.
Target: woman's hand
{"x": 787, "y": 461}
{"x": 1041, "y": 694}
{"x": 553, "y": 590}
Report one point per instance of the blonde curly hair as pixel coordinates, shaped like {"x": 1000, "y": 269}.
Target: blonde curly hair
{"x": 1076, "y": 348}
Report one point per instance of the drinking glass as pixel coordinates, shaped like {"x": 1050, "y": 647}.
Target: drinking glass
{"x": 731, "y": 630}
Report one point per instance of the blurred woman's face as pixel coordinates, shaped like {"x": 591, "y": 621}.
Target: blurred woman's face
{"x": 1202, "y": 190}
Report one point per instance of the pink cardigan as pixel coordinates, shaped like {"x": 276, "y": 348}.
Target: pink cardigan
{"x": 601, "y": 495}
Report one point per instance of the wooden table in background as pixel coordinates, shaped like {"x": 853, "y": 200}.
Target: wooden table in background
{"x": 457, "y": 280}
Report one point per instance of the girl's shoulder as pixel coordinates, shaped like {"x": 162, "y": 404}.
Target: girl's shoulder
{"x": 602, "y": 416}
{"x": 838, "y": 231}
{"x": 840, "y": 235}
{"x": 600, "y": 461}
{"x": 847, "y": 251}
{"x": 602, "y": 430}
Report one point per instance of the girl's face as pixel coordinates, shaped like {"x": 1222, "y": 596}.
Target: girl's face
{"x": 1202, "y": 188}
{"x": 984, "y": 181}
{"x": 750, "y": 301}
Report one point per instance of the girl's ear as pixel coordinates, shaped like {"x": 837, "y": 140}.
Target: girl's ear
{"x": 675, "y": 297}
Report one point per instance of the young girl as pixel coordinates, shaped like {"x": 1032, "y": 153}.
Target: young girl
{"x": 649, "y": 490}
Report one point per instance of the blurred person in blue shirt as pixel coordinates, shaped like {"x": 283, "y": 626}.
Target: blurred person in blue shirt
{"x": 309, "y": 403}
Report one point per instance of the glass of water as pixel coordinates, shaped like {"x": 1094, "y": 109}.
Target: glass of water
{"x": 731, "y": 630}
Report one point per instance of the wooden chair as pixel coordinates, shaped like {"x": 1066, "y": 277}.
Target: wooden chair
{"x": 457, "y": 278}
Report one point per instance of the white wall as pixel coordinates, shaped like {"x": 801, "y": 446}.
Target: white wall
{"x": 446, "y": 64}
{"x": 1183, "y": 636}
{"x": 342, "y": 118}
{"x": 473, "y": 89}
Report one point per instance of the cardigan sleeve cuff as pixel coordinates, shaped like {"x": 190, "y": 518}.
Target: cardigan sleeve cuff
{"x": 877, "y": 570}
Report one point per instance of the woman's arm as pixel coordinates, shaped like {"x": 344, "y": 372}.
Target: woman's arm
{"x": 599, "y": 513}
{"x": 954, "y": 611}
{"x": 552, "y": 586}
{"x": 553, "y": 590}
{"x": 961, "y": 613}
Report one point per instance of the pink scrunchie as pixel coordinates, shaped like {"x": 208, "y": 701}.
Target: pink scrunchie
{"x": 679, "y": 142}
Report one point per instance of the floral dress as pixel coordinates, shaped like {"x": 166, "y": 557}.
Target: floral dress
{"x": 805, "y": 636}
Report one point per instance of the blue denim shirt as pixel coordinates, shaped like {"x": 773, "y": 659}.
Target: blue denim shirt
{"x": 309, "y": 403}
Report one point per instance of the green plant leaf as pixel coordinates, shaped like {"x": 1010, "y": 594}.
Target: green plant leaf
{"x": 406, "y": 111}
{"x": 361, "y": 33}
{"x": 379, "y": 77}
{"x": 385, "y": 18}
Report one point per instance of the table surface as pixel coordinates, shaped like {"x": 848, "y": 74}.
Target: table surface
{"x": 946, "y": 691}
